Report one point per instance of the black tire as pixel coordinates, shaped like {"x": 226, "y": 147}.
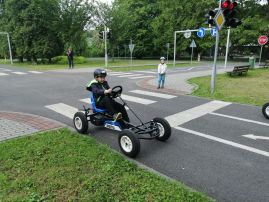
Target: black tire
{"x": 164, "y": 127}
{"x": 80, "y": 122}
{"x": 129, "y": 143}
{"x": 265, "y": 110}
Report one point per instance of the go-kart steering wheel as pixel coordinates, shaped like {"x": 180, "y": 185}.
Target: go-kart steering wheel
{"x": 116, "y": 91}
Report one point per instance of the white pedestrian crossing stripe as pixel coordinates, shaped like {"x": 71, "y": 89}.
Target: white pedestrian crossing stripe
{"x": 148, "y": 72}
{"x": 141, "y": 77}
{"x": 19, "y": 73}
{"x": 130, "y": 75}
{"x": 196, "y": 112}
{"x": 63, "y": 109}
{"x": 137, "y": 99}
{"x": 35, "y": 72}
{"x": 3, "y": 74}
{"x": 160, "y": 95}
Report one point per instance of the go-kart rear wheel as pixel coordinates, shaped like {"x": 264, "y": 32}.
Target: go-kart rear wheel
{"x": 265, "y": 110}
{"x": 80, "y": 122}
{"x": 164, "y": 129}
{"x": 129, "y": 143}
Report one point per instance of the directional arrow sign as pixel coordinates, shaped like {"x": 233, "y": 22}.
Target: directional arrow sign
{"x": 254, "y": 137}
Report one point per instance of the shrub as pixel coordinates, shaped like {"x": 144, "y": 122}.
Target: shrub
{"x": 63, "y": 60}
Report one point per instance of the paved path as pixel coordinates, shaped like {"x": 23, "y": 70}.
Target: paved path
{"x": 14, "y": 124}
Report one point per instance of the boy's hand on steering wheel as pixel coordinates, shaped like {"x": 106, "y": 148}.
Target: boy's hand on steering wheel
{"x": 108, "y": 91}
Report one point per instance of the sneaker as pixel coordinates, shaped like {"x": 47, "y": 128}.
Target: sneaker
{"x": 117, "y": 116}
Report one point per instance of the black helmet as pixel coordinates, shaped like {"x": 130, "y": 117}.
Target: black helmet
{"x": 99, "y": 72}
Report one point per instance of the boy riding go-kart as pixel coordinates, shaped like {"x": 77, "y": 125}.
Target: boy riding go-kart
{"x": 105, "y": 111}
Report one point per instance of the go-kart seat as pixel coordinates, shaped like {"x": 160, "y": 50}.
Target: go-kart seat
{"x": 94, "y": 108}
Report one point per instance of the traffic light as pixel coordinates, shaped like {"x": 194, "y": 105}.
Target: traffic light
{"x": 109, "y": 34}
{"x": 210, "y": 17}
{"x": 229, "y": 12}
{"x": 101, "y": 35}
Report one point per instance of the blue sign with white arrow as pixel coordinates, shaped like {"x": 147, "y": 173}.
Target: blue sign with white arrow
{"x": 201, "y": 32}
{"x": 213, "y": 32}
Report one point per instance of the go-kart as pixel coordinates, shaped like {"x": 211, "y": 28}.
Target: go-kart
{"x": 265, "y": 110}
{"x": 129, "y": 135}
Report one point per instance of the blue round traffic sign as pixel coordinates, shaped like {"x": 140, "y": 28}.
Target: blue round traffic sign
{"x": 201, "y": 32}
{"x": 213, "y": 32}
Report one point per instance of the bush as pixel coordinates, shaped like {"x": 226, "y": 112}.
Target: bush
{"x": 63, "y": 60}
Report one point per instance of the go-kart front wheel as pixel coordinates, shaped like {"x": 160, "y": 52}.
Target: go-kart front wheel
{"x": 80, "y": 122}
{"x": 129, "y": 143}
{"x": 265, "y": 110}
{"x": 164, "y": 129}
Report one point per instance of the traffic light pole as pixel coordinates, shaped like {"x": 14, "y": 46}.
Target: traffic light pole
{"x": 227, "y": 47}
{"x": 214, "y": 71}
{"x": 105, "y": 34}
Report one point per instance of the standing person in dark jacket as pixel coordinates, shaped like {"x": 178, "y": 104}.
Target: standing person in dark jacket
{"x": 70, "y": 57}
{"x": 101, "y": 90}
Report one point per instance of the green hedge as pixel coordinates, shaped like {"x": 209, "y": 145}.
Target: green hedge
{"x": 63, "y": 60}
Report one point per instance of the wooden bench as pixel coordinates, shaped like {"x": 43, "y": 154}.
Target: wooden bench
{"x": 239, "y": 70}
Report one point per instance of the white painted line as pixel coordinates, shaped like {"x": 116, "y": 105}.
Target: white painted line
{"x": 5, "y": 70}
{"x": 241, "y": 119}
{"x": 137, "y": 100}
{"x": 63, "y": 109}
{"x": 141, "y": 77}
{"x": 36, "y": 72}
{"x": 255, "y": 137}
{"x": 86, "y": 100}
{"x": 149, "y": 72}
{"x": 233, "y": 144}
{"x": 196, "y": 112}
{"x": 19, "y": 73}
{"x": 160, "y": 95}
{"x": 118, "y": 73}
{"x": 3, "y": 74}
{"x": 130, "y": 75}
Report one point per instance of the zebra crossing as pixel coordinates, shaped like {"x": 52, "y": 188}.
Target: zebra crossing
{"x": 133, "y": 75}
{"x": 8, "y": 72}
{"x": 132, "y": 96}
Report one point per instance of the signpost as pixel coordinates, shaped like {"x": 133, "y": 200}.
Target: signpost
{"x": 193, "y": 45}
{"x": 187, "y": 34}
{"x": 262, "y": 40}
{"x": 9, "y": 46}
{"x": 131, "y": 48}
{"x": 219, "y": 19}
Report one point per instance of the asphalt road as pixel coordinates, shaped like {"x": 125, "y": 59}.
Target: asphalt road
{"x": 207, "y": 150}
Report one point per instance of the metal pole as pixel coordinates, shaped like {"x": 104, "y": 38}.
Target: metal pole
{"x": 105, "y": 34}
{"x": 260, "y": 56}
{"x": 9, "y": 46}
{"x": 167, "y": 54}
{"x": 175, "y": 46}
{"x": 227, "y": 48}
{"x": 214, "y": 71}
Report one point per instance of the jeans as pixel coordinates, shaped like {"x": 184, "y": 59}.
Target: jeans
{"x": 70, "y": 63}
{"x": 161, "y": 79}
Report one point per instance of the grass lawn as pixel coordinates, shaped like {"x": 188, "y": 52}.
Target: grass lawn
{"x": 116, "y": 65}
{"x": 64, "y": 166}
{"x": 251, "y": 89}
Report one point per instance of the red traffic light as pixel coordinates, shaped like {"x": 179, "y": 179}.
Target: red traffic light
{"x": 226, "y": 4}
{"x": 233, "y": 5}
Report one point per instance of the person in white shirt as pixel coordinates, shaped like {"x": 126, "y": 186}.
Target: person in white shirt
{"x": 161, "y": 73}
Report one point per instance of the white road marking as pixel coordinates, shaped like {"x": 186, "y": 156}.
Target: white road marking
{"x": 86, "y": 100}
{"x": 137, "y": 100}
{"x": 63, "y": 109}
{"x": 240, "y": 119}
{"x": 130, "y": 75}
{"x": 196, "y": 112}
{"x": 149, "y": 72}
{"x": 19, "y": 73}
{"x": 160, "y": 95}
{"x": 5, "y": 70}
{"x": 255, "y": 137}
{"x": 233, "y": 144}
{"x": 141, "y": 77}
{"x": 3, "y": 74}
{"x": 118, "y": 73}
{"x": 36, "y": 72}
